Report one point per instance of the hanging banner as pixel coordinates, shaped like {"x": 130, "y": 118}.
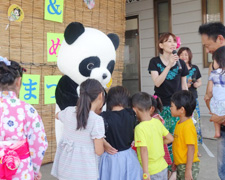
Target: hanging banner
{"x": 30, "y": 86}
{"x": 54, "y": 10}
{"x": 54, "y": 41}
{"x": 50, "y": 83}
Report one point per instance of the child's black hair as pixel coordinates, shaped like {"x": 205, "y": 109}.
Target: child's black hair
{"x": 184, "y": 99}
{"x": 8, "y": 73}
{"x": 89, "y": 91}
{"x": 157, "y": 104}
{"x": 219, "y": 57}
{"x": 142, "y": 101}
{"x": 212, "y": 30}
{"x": 118, "y": 96}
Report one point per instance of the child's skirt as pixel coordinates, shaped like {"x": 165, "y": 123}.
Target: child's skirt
{"x": 123, "y": 165}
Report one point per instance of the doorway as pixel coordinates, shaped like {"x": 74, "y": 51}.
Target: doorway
{"x": 131, "y": 71}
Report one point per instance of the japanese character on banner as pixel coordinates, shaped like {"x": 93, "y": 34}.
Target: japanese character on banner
{"x": 30, "y": 87}
{"x": 54, "y": 41}
{"x": 50, "y": 84}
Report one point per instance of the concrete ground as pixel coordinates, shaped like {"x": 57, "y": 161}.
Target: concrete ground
{"x": 208, "y": 166}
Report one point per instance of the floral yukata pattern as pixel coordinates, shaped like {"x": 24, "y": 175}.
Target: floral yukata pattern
{"x": 20, "y": 121}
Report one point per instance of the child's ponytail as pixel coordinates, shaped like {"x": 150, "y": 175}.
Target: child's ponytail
{"x": 157, "y": 103}
{"x": 89, "y": 91}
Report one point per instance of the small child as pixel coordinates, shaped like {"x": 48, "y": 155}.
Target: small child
{"x": 76, "y": 155}
{"x": 120, "y": 122}
{"x": 149, "y": 139}
{"x": 216, "y": 87}
{"x": 23, "y": 141}
{"x": 185, "y": 146}
{"x": 156, "y": 109}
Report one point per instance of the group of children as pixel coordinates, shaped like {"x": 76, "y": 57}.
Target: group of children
{"x": 98, "y": 146}
{"x": 109, "y": 135}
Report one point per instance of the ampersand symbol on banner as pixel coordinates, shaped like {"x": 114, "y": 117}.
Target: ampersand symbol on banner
{"x": 53, "y": 7}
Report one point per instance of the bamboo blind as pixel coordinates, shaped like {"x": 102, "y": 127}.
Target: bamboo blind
{"x": 25, "y": 42}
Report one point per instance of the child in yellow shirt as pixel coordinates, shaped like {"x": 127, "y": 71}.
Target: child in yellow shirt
{"x": 185, "y": 146}
{"x": 149, "y": 140}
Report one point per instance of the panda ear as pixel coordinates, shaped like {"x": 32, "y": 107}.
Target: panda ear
{"x": 115, "y": 39}
{"x": 73, "y": 31}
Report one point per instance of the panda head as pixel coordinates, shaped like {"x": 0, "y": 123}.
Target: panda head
{"x": 87, "y": 53}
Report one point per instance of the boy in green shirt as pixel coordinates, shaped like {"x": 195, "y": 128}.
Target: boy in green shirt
{"x": 149, "y": 139}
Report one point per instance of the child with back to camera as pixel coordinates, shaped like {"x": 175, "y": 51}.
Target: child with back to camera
{"x": 76, "y": 155}
{"x": 216, "y": 87}
{"x": 149, "y": 139}
{"x": 119, "y": 162}
{"x": 155, "y": 113}
{"x": 23, "y": 140}
{"x": 185, "y": 146}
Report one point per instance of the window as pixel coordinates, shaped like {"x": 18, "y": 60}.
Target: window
{"x": 212, "y": 10}
{"x": 131, "y": 71}
{"x": 162, "y": 14}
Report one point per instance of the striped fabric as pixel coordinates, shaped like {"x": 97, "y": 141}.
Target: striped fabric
{"x": 75, "y": 156}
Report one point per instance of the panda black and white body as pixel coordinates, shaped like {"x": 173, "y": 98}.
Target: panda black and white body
{"x": 85, "y": 53}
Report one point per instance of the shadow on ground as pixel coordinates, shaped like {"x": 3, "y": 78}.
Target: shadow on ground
{"x": 208, "y": 166}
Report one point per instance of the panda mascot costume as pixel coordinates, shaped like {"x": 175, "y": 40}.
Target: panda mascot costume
{"x": 84, "y": 53}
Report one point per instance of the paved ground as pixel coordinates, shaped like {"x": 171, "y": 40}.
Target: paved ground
{"x": 208, "y": 167}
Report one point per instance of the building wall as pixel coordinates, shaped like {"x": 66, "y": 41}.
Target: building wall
{"x": 186, "y": 19}
{"x": 144, "y": 9}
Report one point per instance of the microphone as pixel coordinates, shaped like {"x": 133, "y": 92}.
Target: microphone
{"x": 194, "y": 78}
{"x": 178, "y": 62}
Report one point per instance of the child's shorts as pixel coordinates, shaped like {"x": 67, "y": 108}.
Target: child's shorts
{"x": 163, "y": 175}
{"x": 181, "y": 171}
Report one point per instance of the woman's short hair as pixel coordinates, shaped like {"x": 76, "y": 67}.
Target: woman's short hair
{"x": 189, "y": 54}
{"x": 163, "y": 38}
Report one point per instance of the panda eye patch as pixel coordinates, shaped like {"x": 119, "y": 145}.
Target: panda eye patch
{"x": 111, "y": 66}
{"x": 88, "y": 64}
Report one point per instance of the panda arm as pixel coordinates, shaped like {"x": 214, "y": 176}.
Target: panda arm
{"x": 66, "y": 93}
